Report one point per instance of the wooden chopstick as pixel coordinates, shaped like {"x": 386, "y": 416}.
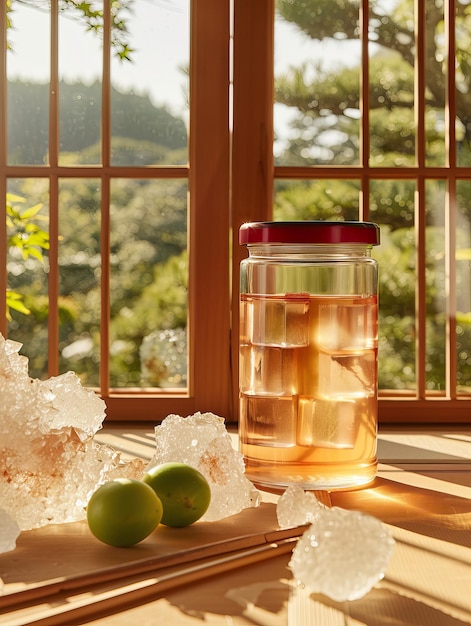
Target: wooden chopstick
{"x": 144, "y": 566}
{"x": 152, "y": 564}
{"x": 201, "y": 561}
{"x": 103, "y": 600}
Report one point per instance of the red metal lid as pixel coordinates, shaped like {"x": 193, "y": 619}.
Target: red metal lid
{"x": 315, "y": 232}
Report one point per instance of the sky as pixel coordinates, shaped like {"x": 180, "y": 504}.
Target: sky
{"x": 161, "y": 28}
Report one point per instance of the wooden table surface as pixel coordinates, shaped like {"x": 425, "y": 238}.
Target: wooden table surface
{"x": 62, "y": 575}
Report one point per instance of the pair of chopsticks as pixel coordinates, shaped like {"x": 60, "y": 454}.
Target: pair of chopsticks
{"x": 93, "y": 595}
{"x": 110, "y": 590}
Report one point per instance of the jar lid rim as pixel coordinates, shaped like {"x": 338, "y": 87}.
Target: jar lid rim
{"x": 309, "y": 232}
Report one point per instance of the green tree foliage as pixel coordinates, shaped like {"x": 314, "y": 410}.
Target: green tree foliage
{"x": 148, "y": 230}
{"x": 325, "y": 130}
{"x": 317, "y": 200}
{"x": 319, "y": 95}
{"x": 148, "y": 266}
{"x": 148, "y": 282}
{"x": 161, "y": 305}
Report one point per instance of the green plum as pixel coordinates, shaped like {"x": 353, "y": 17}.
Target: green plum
{"x": 184, "y": 492}
{"x": 123, "y": 512}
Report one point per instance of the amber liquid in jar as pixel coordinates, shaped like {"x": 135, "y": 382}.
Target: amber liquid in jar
{"x": 308, "y": 389}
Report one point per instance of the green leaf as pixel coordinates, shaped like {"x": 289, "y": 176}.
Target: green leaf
{"x": 32, "y": 251}
{"x": 39, "y": 238}
{"x": 13, "y": 213}
{"x": 15, "y": 241}
{"x": 14, "y": 301}
{"x": 27, "y": 214}
{"x": 464, "y": 254}
{"x": 12, "y": 197}
{"x": 463, "y": 318}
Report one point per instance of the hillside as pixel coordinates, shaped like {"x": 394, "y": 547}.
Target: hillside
{"x": 133, "y": 117}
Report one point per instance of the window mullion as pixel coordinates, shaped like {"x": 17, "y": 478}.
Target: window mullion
{"x": 252, "y": 170}
{"x": 209, "y": 292}
{"x": 420, "y": 200}
{"x": 364, "y": 209}
{"x": 53, "y": 277}
{"x": 421, "y": 288}
{"x": 450, "y": 209}
{"x": 105, "y": 204}
{"x": 364, "y": 85}
{"x": 450, "y": 108}
{"x": 450, "y": 286}
{"x": 420, "y": 81}
{"x": 3, "y": 162}
{"x": 105, "y": 286}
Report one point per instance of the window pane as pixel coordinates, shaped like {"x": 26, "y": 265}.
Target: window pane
{"x": 392, "y": 207}
{"x": 150, "y": 86}
{"x": 28, "y": 85}
{"x": 435, "y": 75}
{"x": 463, "y": 291}
{"x": 149, "y": 283}
{"x": 79, "y": 278}
{"x": 392, "y": 126}
{"x": 463, "y": 81}
{"x": 80, "y": 88}
{"x": 317, "y": 82}
{"x": 28, "y": 232}
{"x": 334, "y": 199}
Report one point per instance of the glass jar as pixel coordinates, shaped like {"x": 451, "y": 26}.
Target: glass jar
{"x": 308, "y": 354}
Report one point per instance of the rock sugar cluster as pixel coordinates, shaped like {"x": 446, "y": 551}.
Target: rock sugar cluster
{"x": 49, "y": 461}
{"x": 343, "y": 554}
{"x": 202, "y": 441}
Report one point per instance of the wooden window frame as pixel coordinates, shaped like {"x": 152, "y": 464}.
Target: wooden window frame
{"x": 231, "y": 178}
{"x": 254, "y": 173}
{"x": 208, "y": 222}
